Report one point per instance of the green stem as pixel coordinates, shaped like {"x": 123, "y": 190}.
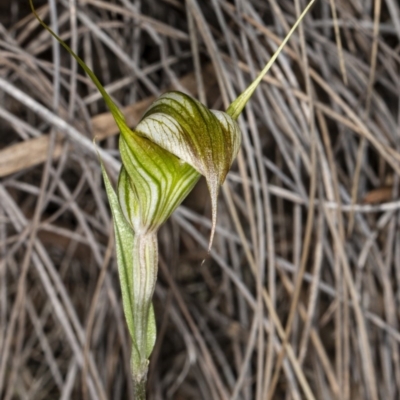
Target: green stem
{"x": 140, "y": 389}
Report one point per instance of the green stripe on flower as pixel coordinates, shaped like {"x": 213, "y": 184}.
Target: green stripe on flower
{"x": 156, "y": 183}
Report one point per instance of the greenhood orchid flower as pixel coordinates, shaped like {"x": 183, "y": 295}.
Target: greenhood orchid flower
{"x": 177, "y": 140}
{"x": 207, "y": 140}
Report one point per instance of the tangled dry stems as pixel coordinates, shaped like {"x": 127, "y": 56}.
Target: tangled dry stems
{"x": 305, "y": 268}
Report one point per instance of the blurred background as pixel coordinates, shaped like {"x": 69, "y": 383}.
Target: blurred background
{"x": 300, "y": 294}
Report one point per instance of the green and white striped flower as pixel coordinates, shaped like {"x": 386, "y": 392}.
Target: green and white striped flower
{"x": 178, "y": 140}
{"x": 207, "y": 140}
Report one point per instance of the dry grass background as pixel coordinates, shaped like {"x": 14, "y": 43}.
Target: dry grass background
{"x": 299, "y": 298}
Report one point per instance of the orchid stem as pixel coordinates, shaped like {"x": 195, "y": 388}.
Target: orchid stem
{"x": 140, "y": 389}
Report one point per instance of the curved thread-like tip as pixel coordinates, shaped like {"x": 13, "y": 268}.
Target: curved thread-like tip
{"x": 213, "y": 188}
